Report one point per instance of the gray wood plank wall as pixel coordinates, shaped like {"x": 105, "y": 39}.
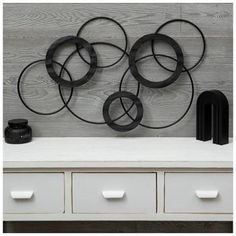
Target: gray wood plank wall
{"x": 29, "y": 29}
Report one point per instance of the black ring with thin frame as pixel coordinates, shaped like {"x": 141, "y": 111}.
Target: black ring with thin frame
{"x": 78, "y": 42}
{"x": 157, "y": 37}
{"x": 25, "y": 104}
{"x": 72, "y": 112}
{"x": 104, "y": 43}
{"x": 135, "y": 121}
{"x": 198, "y": 29}
{"x": 186, "y": 111}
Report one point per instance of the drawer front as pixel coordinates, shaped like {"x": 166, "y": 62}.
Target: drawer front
{"x": 33, "y": 192}
{"x": 114, "y": 192}
{"x": 198, "y": 192}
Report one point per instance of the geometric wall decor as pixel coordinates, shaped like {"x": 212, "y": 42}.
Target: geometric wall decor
{"x": 120, "y": 94}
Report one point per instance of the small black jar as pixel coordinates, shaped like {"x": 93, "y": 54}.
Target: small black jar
{"x": 18, "y": 131}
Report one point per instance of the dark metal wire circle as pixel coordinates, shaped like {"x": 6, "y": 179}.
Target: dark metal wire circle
{"x": 186, "y": 111}
{"x": 72, "y": 112}
{"x": 135, "y": 122}
{"x": 104, "y": 43}
{"x": 160, "y": 38}
{"x": 27, "y": 106}
{"x": 84, "y": 44}
{"x": 79, "y": 42}
{"x": 198, "y": 29}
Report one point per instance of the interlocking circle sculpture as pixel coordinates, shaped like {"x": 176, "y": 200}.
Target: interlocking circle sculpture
{"x": 81, "y": 43}
{"x": 136, "y": 120}
{"x": 203, "y": 43}
{"x": 104, "y": 43}
{"x": 176, "y": 121}
{"x": 162, "y": 38}
{"x": 22, "y": 99}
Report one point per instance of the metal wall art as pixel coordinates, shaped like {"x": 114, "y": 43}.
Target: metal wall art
{"x": 80, "y": 43}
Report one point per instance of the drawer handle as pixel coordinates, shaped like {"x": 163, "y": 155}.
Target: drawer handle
{"x": 207, "y": 194}
{"x": 22, "y": 194}
{"x": 113, "y": 194}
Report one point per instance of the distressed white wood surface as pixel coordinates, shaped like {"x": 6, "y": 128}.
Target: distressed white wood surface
{"x": 29, "y": 29}
{"x": 118, "y": 152}
{"x": 48, "y": 193}
{"x": 118, "y": 217}
{"x": 139, "y": 193}
{"x": 180, "y": 192}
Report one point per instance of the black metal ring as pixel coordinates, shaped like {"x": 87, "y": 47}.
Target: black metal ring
{"x": 198, "y": 29}
{"x": 24, "y": 103}
{"x": 72, "y": 112}
{"x": 186, "y": 111}
{"x": 158, "y": 37}
{"x": 136, "y": 120}
{"x": 102, "y": 43}
{"x": 82, "y": 44}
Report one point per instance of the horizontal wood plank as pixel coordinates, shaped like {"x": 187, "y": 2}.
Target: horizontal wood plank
{"x": 118, "y": 227}
{"x": 29, "y": 29}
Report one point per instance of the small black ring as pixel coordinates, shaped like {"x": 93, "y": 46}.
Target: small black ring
{"x": 82, "y": 44}
{"x": 102, "y": 43}
{"x": 159, "y": 37}
{"x": 24, "y": 103}
{"x": 198, "y": 29}
{"x": 136, "y": 120}
{"x": 181, "y": 117}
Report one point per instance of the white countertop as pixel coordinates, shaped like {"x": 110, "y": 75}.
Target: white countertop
{"x": 117, "y": 152}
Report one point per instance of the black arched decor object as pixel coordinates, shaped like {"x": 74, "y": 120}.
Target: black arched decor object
{"x": 213, "y": 117}
{"x": 80, "y": 43}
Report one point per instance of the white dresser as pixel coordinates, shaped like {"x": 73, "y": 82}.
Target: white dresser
{"x": 151, "y": 179}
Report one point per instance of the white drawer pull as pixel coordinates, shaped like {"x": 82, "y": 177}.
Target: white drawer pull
{"x": 22, "y": 194}
{"x": 113, "y": 194}
{"x": 207, "y": 194}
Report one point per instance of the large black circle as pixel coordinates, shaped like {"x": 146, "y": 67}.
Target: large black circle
{"x": 136, "y": 120}
{"x": 102, "y": 43}
{"x": 181, "y": 117}
{"x": 24, "y": 103}
{"x": 82, "y": 44}
{"x": 158, "y": 37}
{"x": 195, "y": 26}
{"x": 72, "y": 112}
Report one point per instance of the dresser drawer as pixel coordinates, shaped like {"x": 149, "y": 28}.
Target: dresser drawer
{"x": 114, "y": 192}
{"x": 198, "y": 192}
{"x": 33, "y": 192}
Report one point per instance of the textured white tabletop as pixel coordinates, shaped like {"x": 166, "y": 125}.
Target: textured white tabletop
{"x": 117, "y": 152}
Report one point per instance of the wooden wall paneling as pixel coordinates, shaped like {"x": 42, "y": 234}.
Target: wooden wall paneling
{"x": 29, "y": 29}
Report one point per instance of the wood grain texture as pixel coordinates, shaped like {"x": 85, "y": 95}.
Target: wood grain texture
{"x": 29, "y": 29}
{"x": 118, "y": 227}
